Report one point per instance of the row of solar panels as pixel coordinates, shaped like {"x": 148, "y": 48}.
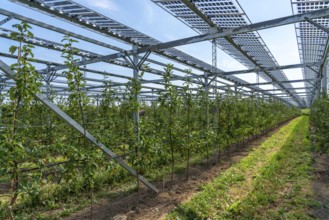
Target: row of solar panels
{"x": 228, "y": 14}
{"x": 311, "y": 40}
{"x": 225, "y": 13}
{"x": 123, "y": 32}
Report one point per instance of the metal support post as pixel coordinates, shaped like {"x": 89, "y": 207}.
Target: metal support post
{"x": 2, "y": 81}
{"x": 47, "y": 80}
{"x": 97, "y": 102}
{"x": 324, "y": 80}
{"x": 84, "y": 67}
{"x": 214, "y": 62}
{"x": 136, "y": 77}
{"x": 257, "y": 81}
{"x": 7, "y": 70}
{"x": 317, "y": 90}
{"x": 206, "y": 82}
{"x": 236, "y": 91}
{"x": 206, "y": 91}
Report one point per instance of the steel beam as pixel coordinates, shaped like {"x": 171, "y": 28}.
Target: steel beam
{"x": 289, "y": 81}
{"x": 273, "y": 90}
{"x": 269, "y": 83}
{"x": 157, "y": 47}
{"x": 65, "y": 32}
{"x": 318, "y": 26}
{"x": 5, "y": 20}
{"x": 291, "y": 66}
{"x": 90, "y": 40}
{"x": 189, "y": 4}
{"x": 150, "y": 70}
{"x": 261, "y": 25}
{"x": 7, "y": 70}
{"x": 199, "y": 38}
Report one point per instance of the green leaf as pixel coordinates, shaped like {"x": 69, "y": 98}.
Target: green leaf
{"x": 13, "y": 49}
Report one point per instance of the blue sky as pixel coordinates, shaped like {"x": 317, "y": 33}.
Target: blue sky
{"x": 147, "y": 17}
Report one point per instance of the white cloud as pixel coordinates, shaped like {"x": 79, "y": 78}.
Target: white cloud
{"x": 103, "y": 4}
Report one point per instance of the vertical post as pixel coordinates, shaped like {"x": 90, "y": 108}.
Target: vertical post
{"x": 206, "y": 94}
{"x": 206, "y": 82}
{"x": 257, "y": 81}
{"x": 136, "y": 115}
{"x": 48, "y": 82}
{"x": 84, "y": 71}
{"x": 48, "y": 117}
{"x": 206, "y": 98}
{"x": 318, "y": 89}
{"x": 97, "y": 102}
{"x": 206, "y": 90}
{"x": 236, "y": 90}
{"x": 324, "y": 80}
{"x": 214, "y": 62}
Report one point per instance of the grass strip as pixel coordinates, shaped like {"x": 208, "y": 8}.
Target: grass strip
{"x": 283, "y": 188}
{"x": 272, "y": 181}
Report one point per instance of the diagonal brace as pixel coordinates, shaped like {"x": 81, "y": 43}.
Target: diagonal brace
{"x": 312, "y": 69}
{"x": 317, "y": 25}
{"x": 140, "y": 63}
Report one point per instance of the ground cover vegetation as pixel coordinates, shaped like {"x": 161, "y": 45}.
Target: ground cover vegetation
{"x": 45, "y": 163}
{"x": 272, "y": 182}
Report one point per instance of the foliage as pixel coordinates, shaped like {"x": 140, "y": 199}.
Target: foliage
{"x": 14, "y": 150}
{"x": 319, "y": 116}
{"x": 54, "y": 162}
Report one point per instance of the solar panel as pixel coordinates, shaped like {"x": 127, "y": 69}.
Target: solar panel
{"x": 311, "y": 40}
{"x": 227, "y": 14}
{"x": 79, "y": 14}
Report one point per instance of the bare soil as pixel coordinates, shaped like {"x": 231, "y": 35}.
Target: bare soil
{"x": 156, "y": 206}
{"x": 321, "y": 186}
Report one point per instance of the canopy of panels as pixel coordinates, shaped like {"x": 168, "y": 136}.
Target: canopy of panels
{"x": 127, "y": 49}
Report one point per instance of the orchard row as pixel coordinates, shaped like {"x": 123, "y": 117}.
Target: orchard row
{"x": 45, "y": 162}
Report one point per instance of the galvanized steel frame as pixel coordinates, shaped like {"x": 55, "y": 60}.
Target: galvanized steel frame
{"x": 155, "y": 48}
{"x": 242, "y": 42}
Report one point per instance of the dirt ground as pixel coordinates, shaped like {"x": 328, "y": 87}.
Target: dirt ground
{"x": 321, "y": 185}
{"x": 155, "y": 206}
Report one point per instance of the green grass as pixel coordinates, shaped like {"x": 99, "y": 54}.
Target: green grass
{"x": 272, "y": 182}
